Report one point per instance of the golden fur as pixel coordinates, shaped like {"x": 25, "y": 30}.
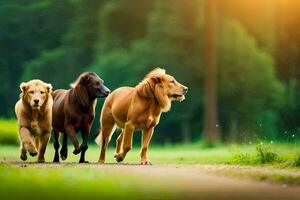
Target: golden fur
{"x": 34, "y": 114}
{"x": 137, "y": 108}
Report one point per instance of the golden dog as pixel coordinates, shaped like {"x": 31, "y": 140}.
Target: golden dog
{"x": 137, "y": 108}
{"x": 34, "y": 114}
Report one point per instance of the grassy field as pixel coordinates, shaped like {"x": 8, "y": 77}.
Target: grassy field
{"x": 9, "y": 128}
{"x": 285, "y": 154}
{"x": 70, "y": 180}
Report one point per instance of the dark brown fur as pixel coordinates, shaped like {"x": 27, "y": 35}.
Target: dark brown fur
{"x": 74, "y": 111}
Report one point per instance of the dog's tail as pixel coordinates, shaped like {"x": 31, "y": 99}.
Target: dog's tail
{"x": 98, "y": 139}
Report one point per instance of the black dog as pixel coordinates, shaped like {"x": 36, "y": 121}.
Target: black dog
{"x": 74, "y": 111}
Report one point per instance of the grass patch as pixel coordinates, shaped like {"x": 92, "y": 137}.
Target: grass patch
{"x": 278, "y": 155}
{"x": 176, "y": 154}
{"x": 268, "y": 155}
{"x": 9, "y": 131}
{"x": 294, "y": 162}
{"x": 77, "y": 182}
{"x": 74, "y": 181}
{"x": 263, "y": 156}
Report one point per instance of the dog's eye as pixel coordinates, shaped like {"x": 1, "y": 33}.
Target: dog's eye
{"x": 42, "y": 92}
{"x": 172, "y": 81}
{"x": 31, "y": 92}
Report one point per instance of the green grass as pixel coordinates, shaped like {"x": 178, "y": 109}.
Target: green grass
{"x": 9, "y": 128}
{"x": 275, "y": 155}
{"x": 282, "y": 155}
{"x": 75, "y": 181}
{"x": 158, "y": 155}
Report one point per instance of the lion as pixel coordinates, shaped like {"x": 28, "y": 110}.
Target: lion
{"x": 137, "y": 108}
{"x": 34, "y": 115}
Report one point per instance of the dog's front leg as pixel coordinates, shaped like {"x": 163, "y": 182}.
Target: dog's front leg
{"x": 84, "y": 146}
{"x": 64, "y": 149}
{"x": 23, "y": 155}
{"x": 146, "y": 138}
{"x": 71, "y": 133}
{"x": 27, "y": 142}
{"x": 44, "y": 139}
{"x": 127, "y": 142}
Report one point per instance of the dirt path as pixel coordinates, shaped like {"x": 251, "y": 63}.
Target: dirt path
{"x": 203, "y": 181}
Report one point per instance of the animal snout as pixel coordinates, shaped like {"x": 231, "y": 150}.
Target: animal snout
{"x": 185, "y": 89}
{"x": 36, "y": 101}
{"x": 105, "y": 91}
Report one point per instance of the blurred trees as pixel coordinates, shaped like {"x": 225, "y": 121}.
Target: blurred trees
{"x": 247, "y": 81}
{"x": 211, "y": 130}
{"x": 75, "y": 49}
{"x": 55, "y": 40}
{"x": 27, "y": 28}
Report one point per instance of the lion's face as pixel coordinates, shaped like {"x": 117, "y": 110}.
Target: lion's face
{"x": 173, "y": 89}
{"x": 35, "y": 92}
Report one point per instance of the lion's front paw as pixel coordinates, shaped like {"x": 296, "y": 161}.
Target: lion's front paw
{"x": 119, "y": 157}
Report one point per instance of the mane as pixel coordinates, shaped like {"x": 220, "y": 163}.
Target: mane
{"x": 80, "y": 90}
{"x": 148, "y": 89}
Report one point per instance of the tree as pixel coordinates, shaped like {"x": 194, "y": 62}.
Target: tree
{"x": 76, "y": 49}
{"x": 26, "y": 29}
{"x": 248, "y": 84}
{"x": 171, "y": 41}
{"x": 211, "y": 133}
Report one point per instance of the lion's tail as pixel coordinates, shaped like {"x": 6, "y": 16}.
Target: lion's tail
{"x": 98, "y": 139}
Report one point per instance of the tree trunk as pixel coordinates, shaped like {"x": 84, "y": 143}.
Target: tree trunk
{"x": 211, "y": 133}
{"x": 186, "y": 132}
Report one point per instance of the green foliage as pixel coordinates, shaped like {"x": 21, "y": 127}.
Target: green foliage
{"x": 75, "y": 50}
{"x": 9, "y": 131}
{"x": 123, "y": 40}
{"x": 265, "y": 156}
{"x": 295, "y": 162}
{"x": 27, "y": 29}
{"x": 163, "y": 44}
{"x": 51, "y": 64}
{"x": 247, "y": 72}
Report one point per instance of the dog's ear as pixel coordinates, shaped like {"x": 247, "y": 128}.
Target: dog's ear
{"x": 81, "y": 80}
{"x": 23, "y": 87}
{"x": 49, "y": 87}
{"x": 84, "y": 79}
